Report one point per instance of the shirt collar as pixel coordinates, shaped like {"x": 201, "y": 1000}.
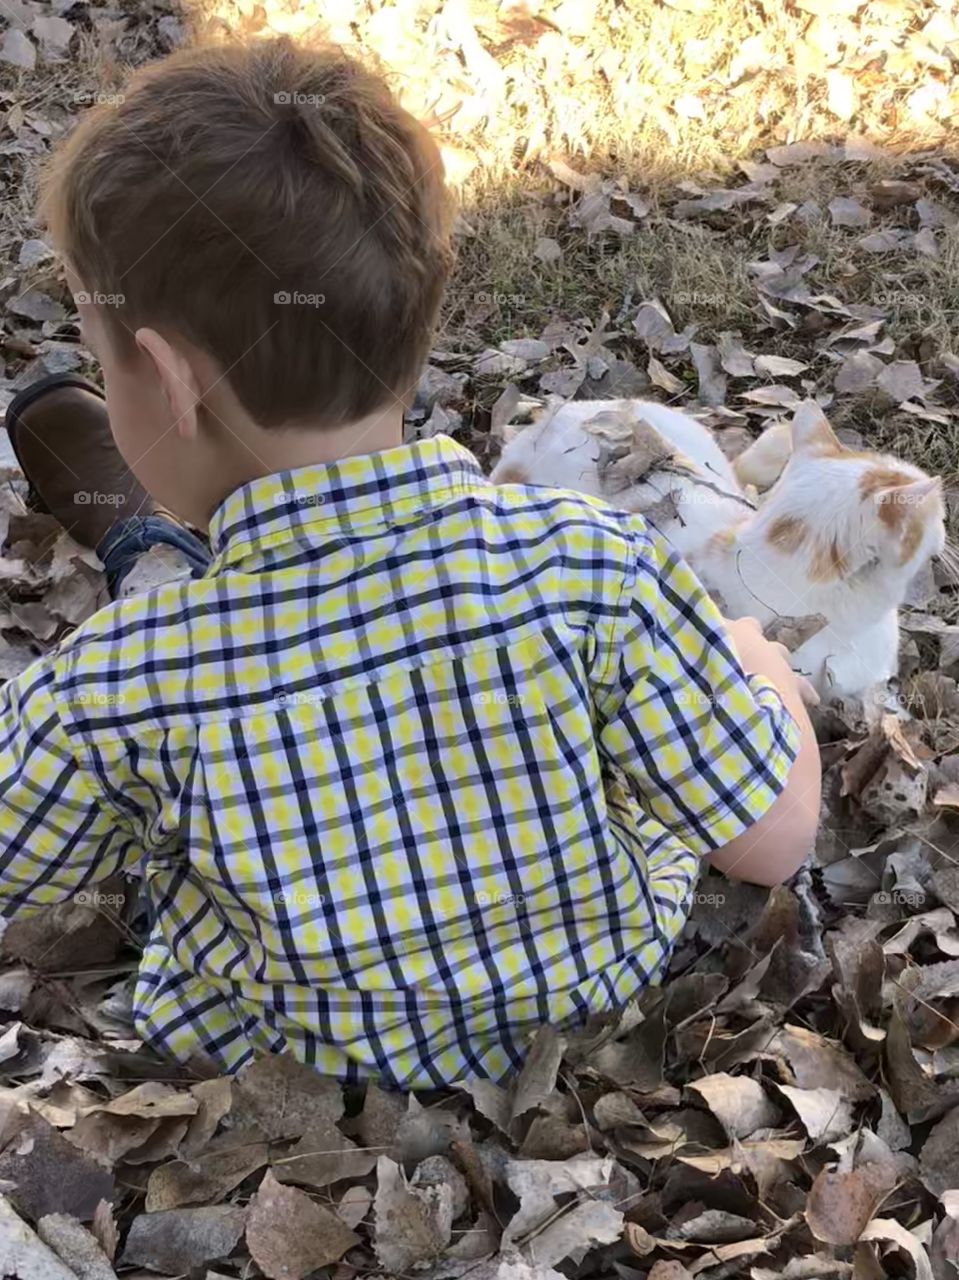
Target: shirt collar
{"x": 345, "y": 496}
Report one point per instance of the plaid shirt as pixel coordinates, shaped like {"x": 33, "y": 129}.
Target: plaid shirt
{"x": 364, "y": 767}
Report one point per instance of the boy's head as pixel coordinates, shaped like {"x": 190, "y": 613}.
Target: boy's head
{"x": 257, "y": 236}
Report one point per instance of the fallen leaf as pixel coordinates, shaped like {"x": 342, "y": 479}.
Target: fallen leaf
{"x": 49, "y": 1175}
{"x": 840, "y": 1204}
{"x": 660, "y": 377}
{"x": 537, "y": 1079}
{"x": 54, "y": 34}
{"x": 207, "y": 1177}
{"x": 712, "y": 384}
{"x": 825, "y": 1113}
{"x": 413, "y": 1224}
{"x": 17, "y": 51}
{"x": 889, "y": 240}
{"x": 23, "y": 1255}
{"x": 177, "y": 1240}
{"x": 323, "y": 1155}
{"x": 939, "y": 1157}
{"x": 354, "y": 1204}
{"x": 846, "y": 212}
{"x": 75, "y": 1246}
{"x": 739, "y": 1103}
{"x": 902, "y": 380}
{"x": 890, "y": 1229}
{"x": 282, "y": 1097}
{"x": 547, "y": 250}
{"x": 537, "y": 1183}
{"x": 586, "y": 1225}
{"x": 289, "y": 1235}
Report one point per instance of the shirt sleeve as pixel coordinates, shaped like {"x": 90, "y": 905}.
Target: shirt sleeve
{"x": 707, "y": 748}
{"x": 56, "y": 836}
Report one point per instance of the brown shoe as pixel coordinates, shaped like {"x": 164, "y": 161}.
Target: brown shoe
{"x": 60, "y": 432}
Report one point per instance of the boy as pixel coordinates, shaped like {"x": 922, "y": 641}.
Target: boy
{"x": 364, "y": 758}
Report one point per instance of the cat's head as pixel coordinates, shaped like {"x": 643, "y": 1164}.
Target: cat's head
{"x": 855, "y": 518}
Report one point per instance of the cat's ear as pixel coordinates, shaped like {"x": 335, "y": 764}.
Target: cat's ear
{"x": 895, "y": 501}
{"x": 811, "y": 432}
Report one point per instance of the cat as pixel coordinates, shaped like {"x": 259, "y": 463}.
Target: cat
{"x": 841, "y": 532}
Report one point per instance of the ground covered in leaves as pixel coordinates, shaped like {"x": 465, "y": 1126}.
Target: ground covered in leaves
{"x": 689, "y": 201}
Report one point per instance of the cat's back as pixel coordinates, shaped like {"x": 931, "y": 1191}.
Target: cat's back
{"x": 559, "y": 450}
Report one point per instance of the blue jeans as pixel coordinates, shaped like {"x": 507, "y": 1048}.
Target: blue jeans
{"x": 128, "y": 539}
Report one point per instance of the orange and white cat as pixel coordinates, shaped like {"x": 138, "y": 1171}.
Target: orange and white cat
{"x": 841, "y": 533}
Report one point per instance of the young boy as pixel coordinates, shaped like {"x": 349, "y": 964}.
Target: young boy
{"x": 365, "y": 760}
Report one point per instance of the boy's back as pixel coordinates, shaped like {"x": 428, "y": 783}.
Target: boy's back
{"x": 359, "y": 768}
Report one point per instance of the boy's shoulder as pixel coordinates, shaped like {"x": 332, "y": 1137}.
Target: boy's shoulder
{"x": 565, "y": 511}
{"x": 581, "y": 525}
{"x": 121, "y": 643}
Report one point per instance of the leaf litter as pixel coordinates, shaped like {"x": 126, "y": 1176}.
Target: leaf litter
{"x": 786, "y": 1104}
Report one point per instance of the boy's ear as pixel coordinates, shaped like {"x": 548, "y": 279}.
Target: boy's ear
{"x": 177, "y": 377}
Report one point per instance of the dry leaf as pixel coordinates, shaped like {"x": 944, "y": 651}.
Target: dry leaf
{"x": 825, "y": 1113}
{"x": 282, "y": 1097}
{"x": 738, "y": 1102}
{"x": 17, "y": 51}
{"x": 289, "y": 1235}
{"x": 413, "y": 1224}
{"x": 75, "y": 1246}
{"x": 586, "y": 1225}
{"x": 840, "y": 1204}
{"x": 177, "y": 1240}
{"x": 846, "y": 212}
{"x": 939, "y": 1157}
{"x": 49, "y": 1175}
{"x": 323, "y": 1155}
{"x": 890, "y": 1229}
{"x": 23, "y": 1255}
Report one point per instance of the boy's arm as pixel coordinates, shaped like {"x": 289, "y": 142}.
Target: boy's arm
{"x": 56, "y": 835}
{"x": 710, "y": 750}
{"x": 773, "y": 848}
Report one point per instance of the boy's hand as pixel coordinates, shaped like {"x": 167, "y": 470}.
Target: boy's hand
{"x": 759, "y": 656}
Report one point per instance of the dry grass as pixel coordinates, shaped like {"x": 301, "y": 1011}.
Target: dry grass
{"x": 656, "y": 90}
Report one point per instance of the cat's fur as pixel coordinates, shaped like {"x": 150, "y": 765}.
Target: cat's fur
{"x": 841, "y": 533}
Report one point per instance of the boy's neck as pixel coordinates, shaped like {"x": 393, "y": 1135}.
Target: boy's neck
{"x": 285, "y": 448}
{"x": 249, "y": 452}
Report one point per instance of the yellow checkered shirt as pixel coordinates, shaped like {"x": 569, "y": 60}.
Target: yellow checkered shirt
{"x": 364, "y": 768}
